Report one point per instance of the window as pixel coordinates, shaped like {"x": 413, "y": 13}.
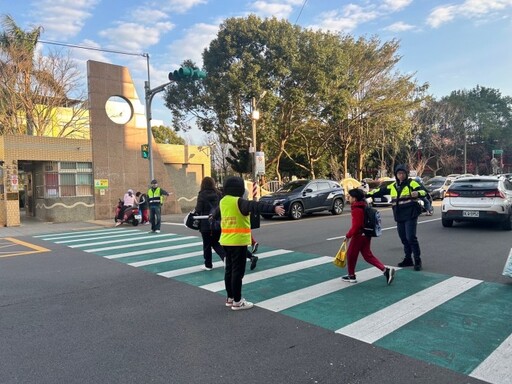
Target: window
{"x": 65, "y": 179}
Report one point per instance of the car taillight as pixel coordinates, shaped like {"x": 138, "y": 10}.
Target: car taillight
{"x": 495, "y": 193}
{"x": 451, "y": 194}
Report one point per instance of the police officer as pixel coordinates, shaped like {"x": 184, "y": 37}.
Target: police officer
{"x": 155, "y": 200}
{"x": 405, "y": 193}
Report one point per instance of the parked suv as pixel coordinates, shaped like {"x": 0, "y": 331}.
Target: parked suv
{"x": 478, "y": 198}
{"x": 307, "y": 196}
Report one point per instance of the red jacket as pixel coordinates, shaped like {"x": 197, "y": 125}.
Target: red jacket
{"x": 357, "y": 211}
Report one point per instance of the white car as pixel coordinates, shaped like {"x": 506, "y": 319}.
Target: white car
{"x": 478, "y": 199}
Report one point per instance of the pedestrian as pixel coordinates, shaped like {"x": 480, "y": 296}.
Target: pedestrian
{"x": 155, "y": 201}
{"x": 234, "y": 212}
{"x": 406, "y": 209}
{"x": 207, "y": 201}
{"x": 359, "y": 243}
{"x": 142, "y": 201}
{"x": 128, "y": 204}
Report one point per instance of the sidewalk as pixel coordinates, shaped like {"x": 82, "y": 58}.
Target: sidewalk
{"x": 31, "y": 226}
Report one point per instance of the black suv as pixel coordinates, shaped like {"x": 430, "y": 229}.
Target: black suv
{"x": 307, "y": 196}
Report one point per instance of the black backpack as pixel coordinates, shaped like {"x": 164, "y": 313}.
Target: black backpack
{"x": 372, "y": 222}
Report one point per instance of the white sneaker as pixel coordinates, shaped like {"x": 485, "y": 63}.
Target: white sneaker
{"x": 229, "y": 302}
{"x": 205, "y": 268}
{"x": 157, "y": 231}
{"x": 242, "y": 304}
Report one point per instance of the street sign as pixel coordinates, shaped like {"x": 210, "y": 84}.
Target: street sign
{"x": 497, "y": 152}
{"x": 260, "y": 163}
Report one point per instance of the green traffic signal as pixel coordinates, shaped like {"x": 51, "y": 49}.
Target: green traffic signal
{"x": 144, "y": 151}
{"x": 186, "y": 73}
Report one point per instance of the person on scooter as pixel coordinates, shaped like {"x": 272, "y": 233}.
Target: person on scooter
{"x": 128, "y": 204}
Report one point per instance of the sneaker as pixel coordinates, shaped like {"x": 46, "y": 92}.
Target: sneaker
{"x": 242, "y": 304}
{"x": 417, "y": 266}
{"x": 229, "y": 302}
{"x": 118, "y": 224}
{"x": 254, "y": 261}
{"x": 389, "y": 274}
{"x": 349, "y": 279}
{"x": 157, "y": 231}
{"x": 151, "y": 231}
{"x": 255, "y": 247}
{"x": 205, "y": 268}
{"x": 406, "y": 262}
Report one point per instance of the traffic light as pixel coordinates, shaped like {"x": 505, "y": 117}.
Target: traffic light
{"x": 186, "y": 73}
{"x": 144, "y": 151}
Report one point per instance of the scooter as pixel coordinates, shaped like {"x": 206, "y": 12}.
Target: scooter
{"x": 129, "y": 215}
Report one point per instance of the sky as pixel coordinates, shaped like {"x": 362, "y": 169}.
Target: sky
{"x": 451, "y": 45}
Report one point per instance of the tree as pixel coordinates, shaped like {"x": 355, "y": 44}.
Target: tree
{"x": 35, "y": 90}
{"x": 166, "y": 135}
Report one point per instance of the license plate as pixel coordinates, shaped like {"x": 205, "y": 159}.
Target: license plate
{"x": 138, "y": 217}
{"x": 377, "y": 199}
{"x": 470, "y": 214}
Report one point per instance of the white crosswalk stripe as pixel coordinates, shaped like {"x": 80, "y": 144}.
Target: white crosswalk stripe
{"x": 219, "y": 285}
{"x": 389, "y": 319}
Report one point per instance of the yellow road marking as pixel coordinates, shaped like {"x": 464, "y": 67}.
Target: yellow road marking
{"x": 34, "y": 248}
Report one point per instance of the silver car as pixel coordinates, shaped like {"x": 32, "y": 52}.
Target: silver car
{"x": 478, "y": 199}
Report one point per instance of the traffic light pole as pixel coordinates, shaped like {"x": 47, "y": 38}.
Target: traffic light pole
{"x": 150, "y": 93}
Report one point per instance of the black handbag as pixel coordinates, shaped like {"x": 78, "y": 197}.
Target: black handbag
{"x": 191, "y": 222}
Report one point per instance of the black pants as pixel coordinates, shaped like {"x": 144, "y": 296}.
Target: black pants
{"x": 235, "y": 260}
{"x": 211, "y": 240}
{"x": 155, "y": 217}
{"x": 407, "y": 232}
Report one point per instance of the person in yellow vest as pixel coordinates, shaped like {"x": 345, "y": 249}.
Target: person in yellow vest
{"x": 234, "y": 213}
{"x": 155, "y": 201}
{"x": 405, "y": 193}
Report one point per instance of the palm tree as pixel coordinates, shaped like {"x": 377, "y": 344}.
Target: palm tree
{"x": 18, "y": 48}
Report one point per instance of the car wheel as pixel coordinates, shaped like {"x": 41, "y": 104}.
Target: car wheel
{"x": 337, "y": 207}
{"x": 447, "y": 223}
{"x": 296, "y": 211}
{"x": 267, "y": 217}
{"x": 507, "y": 224}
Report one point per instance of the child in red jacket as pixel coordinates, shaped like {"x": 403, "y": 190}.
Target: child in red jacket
{"x": 359, "y": 242}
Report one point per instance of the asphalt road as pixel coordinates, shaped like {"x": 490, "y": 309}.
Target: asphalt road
{"x": 69, "y": 316}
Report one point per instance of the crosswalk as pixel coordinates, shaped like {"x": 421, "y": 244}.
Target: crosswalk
{"x": 459, "y": 323}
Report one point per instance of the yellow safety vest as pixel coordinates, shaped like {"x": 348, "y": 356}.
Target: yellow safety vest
{"x": 235, "y": 227}
{"x": 154, "y": 197}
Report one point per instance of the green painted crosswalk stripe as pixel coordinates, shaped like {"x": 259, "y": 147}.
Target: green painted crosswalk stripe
{"x": 460, "y": 333}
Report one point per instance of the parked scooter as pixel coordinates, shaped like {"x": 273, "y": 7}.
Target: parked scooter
{"x": 129, "y": 215}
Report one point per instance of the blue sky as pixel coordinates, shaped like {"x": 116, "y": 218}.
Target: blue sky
{"x": 451, "y": 45}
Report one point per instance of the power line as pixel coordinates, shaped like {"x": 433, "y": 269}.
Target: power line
{"x": 301, "y": 9}
{"x": 93, "y": 48}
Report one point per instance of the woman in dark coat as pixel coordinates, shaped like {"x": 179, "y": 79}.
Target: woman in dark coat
{"x": 207, "y": 200}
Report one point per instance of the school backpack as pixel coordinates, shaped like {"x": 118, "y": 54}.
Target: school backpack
{"x": 372, "y": 222}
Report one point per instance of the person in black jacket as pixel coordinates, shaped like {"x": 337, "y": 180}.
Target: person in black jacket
{"x": 207, "y": 201}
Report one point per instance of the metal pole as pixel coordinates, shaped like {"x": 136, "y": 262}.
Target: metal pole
{"x": 254, "y": 173}
{"x": 465, "y": 151}
{"x": 148, "y": 127}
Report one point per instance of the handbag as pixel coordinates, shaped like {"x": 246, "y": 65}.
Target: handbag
{"x": 340, "y": 260}
{"x": 507, "y": 269}
{"x": 191, "y": 221}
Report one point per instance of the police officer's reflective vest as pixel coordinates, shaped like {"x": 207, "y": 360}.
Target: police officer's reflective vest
{"x": 154, "y": 196}
{"x": 235, "y": 227}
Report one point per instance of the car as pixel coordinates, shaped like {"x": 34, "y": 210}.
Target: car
{"x": 437, "y": 186}
{"x": 478, "y": 199}
{"x": 301, "y": 197}
{"x": 383, "y": 200}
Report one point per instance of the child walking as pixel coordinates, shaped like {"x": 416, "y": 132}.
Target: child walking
{"x": 359, "y": 242}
